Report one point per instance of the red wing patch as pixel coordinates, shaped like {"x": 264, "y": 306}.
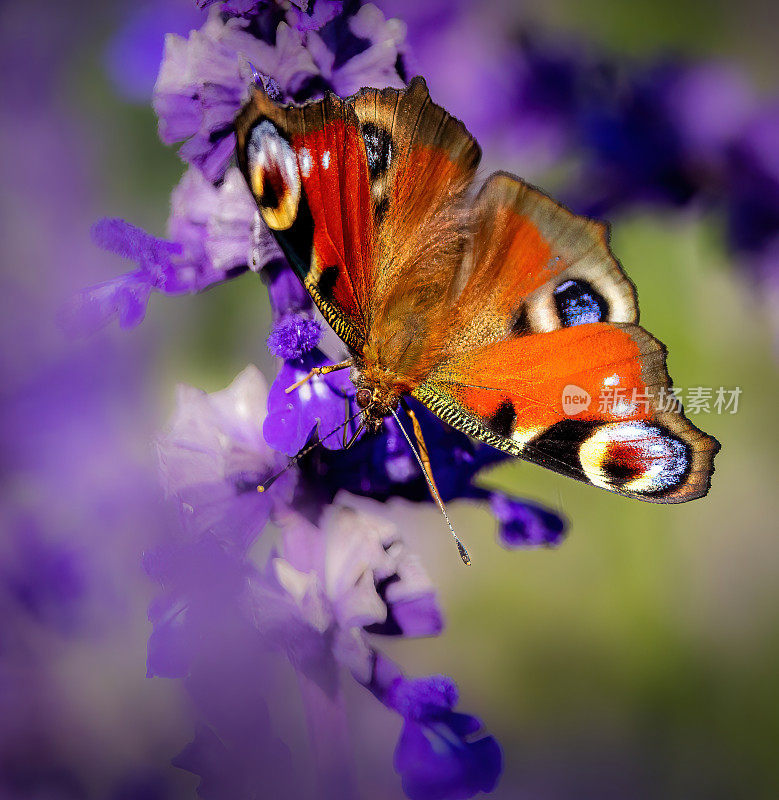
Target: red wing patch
{"x": 334, "y": 175}
{"x": 308, "y": 171}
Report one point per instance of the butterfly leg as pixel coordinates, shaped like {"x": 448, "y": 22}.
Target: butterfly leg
{"x": 355, "y": 436}
{"x": 346, "y": 422}
{"x": 320, "y": 371}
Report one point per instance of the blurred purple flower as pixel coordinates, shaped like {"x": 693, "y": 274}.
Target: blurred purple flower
{"x": 710, "y": 103}
{"x": 380, "y": 42}
{"x": 134, "y": 53}
{"x": 203, "y": 632}
{"x": 753, "y": 206}
{"x": 202, "y": 604}
{"x": 213, "y": 457}
{"x": 524, "y": 524}
{"x": 235, "y": 767}
{"x": 48, "y": 579}
{"x": 124, "y": 297}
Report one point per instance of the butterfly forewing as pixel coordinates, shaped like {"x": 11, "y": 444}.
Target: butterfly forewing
{"x": 315, "y": 153}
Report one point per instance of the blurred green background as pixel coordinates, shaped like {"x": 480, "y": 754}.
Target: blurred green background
{"x": 648, "y": 644}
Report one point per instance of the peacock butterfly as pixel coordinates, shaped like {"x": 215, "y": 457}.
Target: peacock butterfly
{"x": 490, "y": 311}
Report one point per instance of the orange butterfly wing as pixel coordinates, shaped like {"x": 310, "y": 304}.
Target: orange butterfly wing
{"x": 545, "y": 312}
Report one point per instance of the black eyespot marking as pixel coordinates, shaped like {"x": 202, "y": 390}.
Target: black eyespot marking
{"x": 578, "y": 303}
{"x": 502, "y": 421}
{"x": 326, "y": 282}
{"x": 521, "y": 323}
{"x": 270, "y": 196}
{"x": 381, "y": 210}
{"x": 378, "y": 149}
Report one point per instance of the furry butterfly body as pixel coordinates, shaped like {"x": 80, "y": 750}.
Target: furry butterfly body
{"x": 486, "y": 310}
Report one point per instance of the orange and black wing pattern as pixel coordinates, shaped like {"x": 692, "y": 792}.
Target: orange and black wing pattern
{"x": 489, "y": 312}
{"x": 546, "y": 314}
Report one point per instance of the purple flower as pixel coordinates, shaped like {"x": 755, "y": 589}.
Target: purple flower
{"x": 523, "y": 524}
{"x": 213, "y": 457}
{"x": 377, "y": 57}
{"x": 203, "y": 605}
{"x": 331, "y": 584}
{"x": 204, "y": 80}
{"x": 125, "y": 297}
{"x": 216, "y": 226}
{"x": 321, "y": 12}
{"x": 287, "y": 293}
{"x": 293, "y": 336}
{"x": 441, "y": 754}
{"x": 214, "y": 235}
{"x": 236, "y": 766}
{"x": 709, "y": 103}
{"x": 317, "y": 405}
{"x": 753, "y": 204}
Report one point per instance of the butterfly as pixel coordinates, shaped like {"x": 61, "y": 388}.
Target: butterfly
{"x": 506, "y": 314}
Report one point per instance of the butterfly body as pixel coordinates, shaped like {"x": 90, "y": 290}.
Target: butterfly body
{"x": 490, "y": 311}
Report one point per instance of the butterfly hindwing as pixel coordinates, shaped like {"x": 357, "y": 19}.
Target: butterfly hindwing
{"x": 588, "y": 401}
{"x": 545, "y": 361}
{"x": 532, "y": 266}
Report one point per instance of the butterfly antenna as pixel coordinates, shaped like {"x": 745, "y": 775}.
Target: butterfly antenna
{"x": 294, "y": 460}
{"x": 437, "y": 497}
